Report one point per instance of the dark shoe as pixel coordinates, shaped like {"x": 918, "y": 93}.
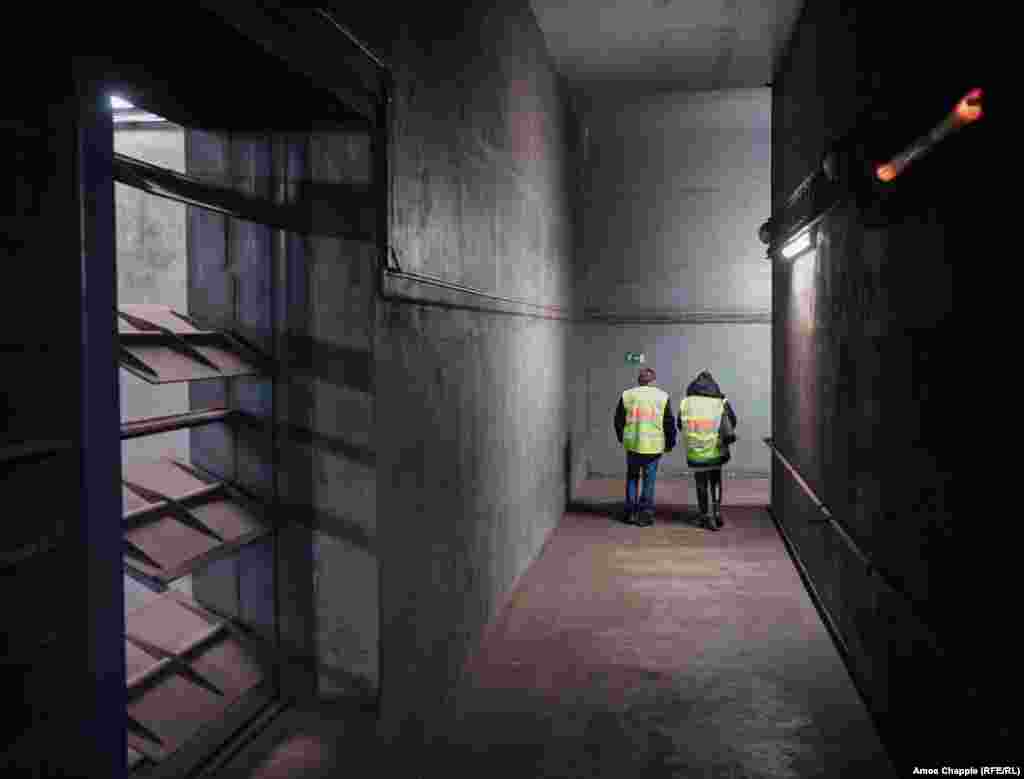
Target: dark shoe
{"x": 646, "y": 519}
{"x": 706, "y": 522}
{"x": 716, "y": 513}
{"x": 628, "y": 518}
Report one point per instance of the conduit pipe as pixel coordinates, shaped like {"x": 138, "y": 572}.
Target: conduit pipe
{"x": 920, "y": 609}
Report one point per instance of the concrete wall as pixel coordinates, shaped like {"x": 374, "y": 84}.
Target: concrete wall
{"x": 866, "y": 370}
{"x": 152, "y": 268}
{"x": 426, "y": 446}
{"x": 472, "y": 409}
{"x": 739, "y": 356}
{"x": 307, "y": 300}
{"x": 345, "y": 443}
{"x": 674, "y": 187}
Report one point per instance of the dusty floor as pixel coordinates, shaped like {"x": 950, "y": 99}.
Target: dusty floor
{"x": 668, "y": 651}
{"x": 675, "y": 494}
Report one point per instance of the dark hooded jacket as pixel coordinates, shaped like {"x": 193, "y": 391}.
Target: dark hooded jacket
{"x": 706, "y": 386}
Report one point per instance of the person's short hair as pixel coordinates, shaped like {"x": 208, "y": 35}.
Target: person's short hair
{"x": 646, "y": 376}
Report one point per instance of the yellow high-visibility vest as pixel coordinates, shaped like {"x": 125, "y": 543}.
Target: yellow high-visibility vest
{"x": 645, "y": 413}
{"x": 701, "y": 417}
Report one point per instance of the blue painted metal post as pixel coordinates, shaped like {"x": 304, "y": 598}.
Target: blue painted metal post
{"x": 95, "y": 653}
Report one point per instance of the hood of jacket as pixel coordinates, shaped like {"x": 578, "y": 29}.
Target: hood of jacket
{"x": 705, "y": 385}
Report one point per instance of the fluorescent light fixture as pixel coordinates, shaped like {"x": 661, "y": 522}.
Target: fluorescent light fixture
{"x": 127, "y": 112}
{"x": 797, "y": 245}
{"x": 139, "y": 117}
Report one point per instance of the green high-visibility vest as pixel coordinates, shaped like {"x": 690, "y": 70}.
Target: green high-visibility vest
{"x": 645, "y": 413}
{"x": 701, "y": 417}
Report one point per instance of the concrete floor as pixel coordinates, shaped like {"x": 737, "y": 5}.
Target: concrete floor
{"x": 674, "y": 494}
{"x": 668, "y": 651}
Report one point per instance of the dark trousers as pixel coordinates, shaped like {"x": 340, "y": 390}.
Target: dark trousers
{"x": 647, "y": 465}
{"x": 709, "y": 481}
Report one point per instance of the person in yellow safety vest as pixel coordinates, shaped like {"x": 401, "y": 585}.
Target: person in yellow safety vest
{"x": 700, "y": 414}
{"x": 644, "y": 426}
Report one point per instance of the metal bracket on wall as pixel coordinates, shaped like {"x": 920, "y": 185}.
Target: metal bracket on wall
{"x": 169, "y": 661}
{"x": 184, "y": 522}
{"x": 814, "y": 197}
{"x": 160, "y": 346}
{"x": 188, "y": 666}
{"x": 174, "y": 340}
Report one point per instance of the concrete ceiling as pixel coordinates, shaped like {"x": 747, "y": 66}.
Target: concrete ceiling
{"x": 654, "y": 45}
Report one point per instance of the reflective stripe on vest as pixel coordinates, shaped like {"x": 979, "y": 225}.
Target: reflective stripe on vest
{"x": 701, "y": 417}
{"x": 645, "y": 411}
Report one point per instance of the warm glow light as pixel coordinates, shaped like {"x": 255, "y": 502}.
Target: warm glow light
{"x": 117, "y": 102}
{"x": 969, "y": 109}
{"x": 966, "y": 111}
{"x": 799, "y": 244}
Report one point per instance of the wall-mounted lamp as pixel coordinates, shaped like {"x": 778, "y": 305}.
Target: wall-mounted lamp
{"x": 965, "y": 112}
{"x": 798, "y": 244}
{"x": 126, "y": 112}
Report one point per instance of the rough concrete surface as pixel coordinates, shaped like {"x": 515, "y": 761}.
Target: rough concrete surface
{"x": 343, "y": 485}
{"x": 471, "y": 406}
{"x": 668, "y": 651}
{"x": 738, "y": 355}
{"x": 663, "y": 651}
{"x": 673, "y": 188}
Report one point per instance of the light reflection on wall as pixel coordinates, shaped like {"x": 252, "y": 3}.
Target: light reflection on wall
{"x": 301, "y": 752}
{"x": 803, "y": 290}
{"x": 802, "y": 370}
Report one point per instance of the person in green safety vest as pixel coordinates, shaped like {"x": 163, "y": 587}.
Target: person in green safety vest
{"x": 700, "y": 416}
{"x": 644, "y": 426}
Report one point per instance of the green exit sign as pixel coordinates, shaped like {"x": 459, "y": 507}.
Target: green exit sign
{"x": 634, "y": 357}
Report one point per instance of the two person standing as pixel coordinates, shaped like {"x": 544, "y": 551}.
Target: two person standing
{"x": 645, "y": 427}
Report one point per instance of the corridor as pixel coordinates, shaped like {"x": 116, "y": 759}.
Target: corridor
{"x": 668, "y": 651}
{"x": 313, "y": 467}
